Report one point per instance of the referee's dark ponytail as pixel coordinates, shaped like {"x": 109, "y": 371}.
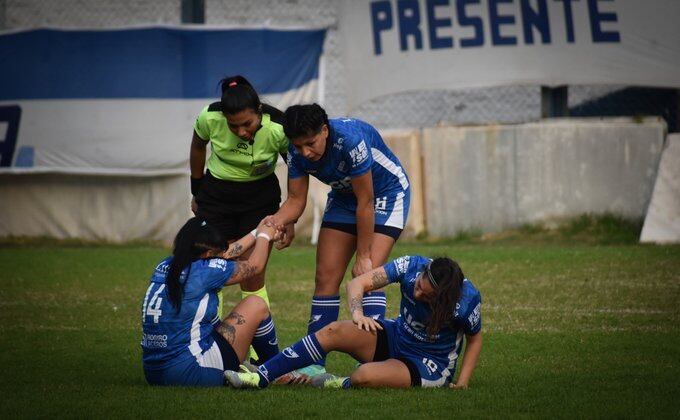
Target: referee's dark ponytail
{"x": 237, "y": 95}
{"x": 192, "y": 240}
{"x": 449, "y": 277}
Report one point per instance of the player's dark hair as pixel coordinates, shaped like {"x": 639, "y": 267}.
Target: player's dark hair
{"x": 192, "y": 240}
{"x": 449, "y": 277}
{"x": 237, "y": 95}
{"x": 304, "y": 120}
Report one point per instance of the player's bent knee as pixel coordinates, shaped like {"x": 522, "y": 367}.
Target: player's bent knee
{"x": 256, "y": 304}
{"x": 361, "y": 377}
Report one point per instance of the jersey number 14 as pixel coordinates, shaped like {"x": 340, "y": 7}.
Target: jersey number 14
{"x": 153, "y": 307}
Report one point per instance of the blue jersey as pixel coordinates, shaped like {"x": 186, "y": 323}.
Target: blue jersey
{"x": 353, "y": 148}
{"x": 414, "y": 315}
{"x": 169, "y": 336}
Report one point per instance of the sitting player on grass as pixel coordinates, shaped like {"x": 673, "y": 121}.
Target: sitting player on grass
{"x": 184, "y": 342}
{"x": 420, "y": 348}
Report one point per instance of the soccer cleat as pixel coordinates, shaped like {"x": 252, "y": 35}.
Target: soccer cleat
{"x": 312, "y": 370}
{"x": 328, "y": 380}
{"x": 243, "y": 379}
{"x": 247, "y": 366}
{"x": 292, "y": 378}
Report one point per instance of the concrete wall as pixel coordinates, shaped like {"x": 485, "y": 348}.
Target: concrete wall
{"x": 662, "y": 223}
{"x": 486, "y": 177}
{"x": 494, "y": 177}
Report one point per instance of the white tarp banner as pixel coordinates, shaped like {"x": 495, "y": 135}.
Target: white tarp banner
{"x": 399, "y": 45}
{"x": 123, "y": 101}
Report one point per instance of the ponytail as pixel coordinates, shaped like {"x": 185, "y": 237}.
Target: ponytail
{"x": 193, "y": 239}
{"x": 237, "y": 95}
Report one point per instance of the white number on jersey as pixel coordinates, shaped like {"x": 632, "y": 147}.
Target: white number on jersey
{"x": 153, "y": 308}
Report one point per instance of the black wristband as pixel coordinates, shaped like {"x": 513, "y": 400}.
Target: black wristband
{"x": 196, "y": 185}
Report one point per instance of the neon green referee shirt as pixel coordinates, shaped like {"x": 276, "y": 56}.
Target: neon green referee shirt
{"x": 234, "y": 159}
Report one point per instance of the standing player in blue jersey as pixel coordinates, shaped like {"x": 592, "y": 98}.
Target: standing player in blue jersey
{"x": 439, "y": 307}
{"x": 365, "y": 212}
{"x": 184, "y": 342}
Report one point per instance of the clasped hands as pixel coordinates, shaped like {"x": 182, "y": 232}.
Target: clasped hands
{"x": 285, "y": 233}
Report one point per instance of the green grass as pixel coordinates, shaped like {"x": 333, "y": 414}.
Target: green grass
{"x": 570, "y": 330}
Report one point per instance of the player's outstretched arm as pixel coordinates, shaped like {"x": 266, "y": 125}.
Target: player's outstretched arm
{"x": 473, "y": 347}
{"x": 258, "y": 258}
{"x": 374, "y": 279}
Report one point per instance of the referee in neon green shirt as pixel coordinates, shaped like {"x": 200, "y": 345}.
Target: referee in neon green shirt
{"x": 239, "y": 187}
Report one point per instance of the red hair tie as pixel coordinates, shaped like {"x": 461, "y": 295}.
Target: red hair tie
{"x": 232, "y": 84}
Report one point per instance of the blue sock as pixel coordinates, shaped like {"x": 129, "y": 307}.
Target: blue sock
{"x": 303, "y": 353}
{"x": 265, "y": 343}
{"x": 325, "y": 309}
{"x": 374, "y": 304}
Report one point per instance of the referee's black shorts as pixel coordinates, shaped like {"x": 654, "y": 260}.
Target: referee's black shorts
{"x": 235, "y": 208}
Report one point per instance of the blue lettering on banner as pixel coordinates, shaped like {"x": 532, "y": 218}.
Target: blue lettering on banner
{"x": 433, "y": 23}
{"x": 535, "y": 19}
{"x": 381, "y": 17}
{"x": 409, "y": 23}
{"x": 9, "y": 117}
{"x": 476, "y": 22}
{"x": 496, "y": 20}
{"x": 569, "y": 20}
{"x": 596, "y": 18}
{"x": 502, "y": 16}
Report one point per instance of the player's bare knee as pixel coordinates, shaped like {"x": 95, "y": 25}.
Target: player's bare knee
{"x": 361, "y": 376}
{"x": 257, "y": 305}
{"x": 330, "y": 332}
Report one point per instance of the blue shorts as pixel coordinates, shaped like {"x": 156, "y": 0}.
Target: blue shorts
{"x": 205, "y": 369}
{"x": 426, "y": 371}
{"x": 391, "y": 210}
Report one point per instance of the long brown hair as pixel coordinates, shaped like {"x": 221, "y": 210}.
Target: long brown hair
{"x": 449, "y": 280}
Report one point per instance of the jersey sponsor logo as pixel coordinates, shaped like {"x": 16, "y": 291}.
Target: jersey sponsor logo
{"x": 342, "y": 167}
{"x": 344, "y": 184}
{"x": 290, "y": 353}
{"x": 243, "y": 146}
{"x": 154, "y": 341}
{"x": 474, "y": 317}
{"x": 311, "y": 171}
{"x": 240, "y": 152}
{"x": 162, "y": 268}
{"x": 359, "y": 154}
{"x": 401, "y": 264}
{"x": 381, "y": 205}
{"x": 218, "y": 263}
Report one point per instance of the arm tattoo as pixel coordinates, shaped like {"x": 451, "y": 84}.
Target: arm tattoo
{"x": 379, "y": 280}
{"x": 243, "y": 270}
{"x": 235, "y": 250}
{"x": 354, "y": 304}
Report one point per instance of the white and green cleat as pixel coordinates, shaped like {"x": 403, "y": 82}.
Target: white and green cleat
{"x": 312, "y": 370}
{"x": 243, "y": 379}
{"x": 328, "y": 380}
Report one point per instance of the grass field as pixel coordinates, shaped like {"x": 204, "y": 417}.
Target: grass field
{"x": 570, "y": 330}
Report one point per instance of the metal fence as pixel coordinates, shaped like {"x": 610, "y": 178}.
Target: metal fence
{"x": 509, "y": 104}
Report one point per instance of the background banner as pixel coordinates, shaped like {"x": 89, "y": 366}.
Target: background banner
{"x": 78, "y": 101}
{"x": 395, "y": 46}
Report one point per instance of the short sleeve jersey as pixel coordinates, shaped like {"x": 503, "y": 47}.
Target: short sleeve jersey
{"x": 414, "y": 315}
{"x": 169, "y": 336}
{"x": 234, "y": 159}
{"x": 353, "y": 148}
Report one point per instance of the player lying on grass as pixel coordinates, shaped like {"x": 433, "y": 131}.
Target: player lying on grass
{"x": 184, "y": 342}
{"x": 439, "y": 307}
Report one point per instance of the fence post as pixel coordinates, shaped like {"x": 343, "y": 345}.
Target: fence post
{"x": 554, "y": 101}
{"x": 193, "y": 11}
